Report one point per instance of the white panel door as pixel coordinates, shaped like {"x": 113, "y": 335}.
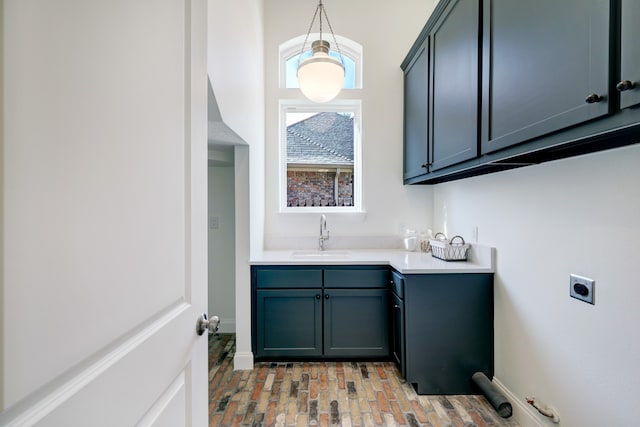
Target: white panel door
{"x": 104, "y": 213}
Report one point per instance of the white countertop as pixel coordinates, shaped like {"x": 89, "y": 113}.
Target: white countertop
{"x": 481, "y": 259}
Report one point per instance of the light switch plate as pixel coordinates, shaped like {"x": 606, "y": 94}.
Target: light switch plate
{"x": 214, "y": 222}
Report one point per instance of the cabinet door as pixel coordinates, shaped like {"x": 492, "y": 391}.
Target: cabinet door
{"x": 397, "y": 284}
{"x": 542, "y": 61}
{"x": 416, "y": 118}
{"x": 449, "y": 331}
{"x": 454, "y": 84}
{"x": 397, "y": 332}
{"x": 630, "y": 52}
{"x": 289, "y": 322}
{"x": 356, "y": 322}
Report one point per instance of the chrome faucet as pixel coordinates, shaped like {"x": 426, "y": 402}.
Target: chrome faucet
{"x": 323, "y": 230}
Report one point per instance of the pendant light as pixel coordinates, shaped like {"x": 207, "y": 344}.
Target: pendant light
{"x": 320, "y": 77}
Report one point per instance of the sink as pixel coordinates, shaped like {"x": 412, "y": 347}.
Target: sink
{"x": 317, "y": 254}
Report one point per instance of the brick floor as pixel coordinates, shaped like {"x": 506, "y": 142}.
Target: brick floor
{"x": 329, "y": 394}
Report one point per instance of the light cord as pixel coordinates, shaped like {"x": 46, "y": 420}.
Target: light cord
{"x": 320, "y": 10}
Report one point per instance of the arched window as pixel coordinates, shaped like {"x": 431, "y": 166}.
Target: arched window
{"x": 320, "y": 144}
{"x": 290, "y": 57}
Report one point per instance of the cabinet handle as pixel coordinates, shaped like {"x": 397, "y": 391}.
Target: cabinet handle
{"x": 326, "y": 296}
{"x": 318, "y": 296}
{"x": 625, "y": 85}
{"x": 396, "y": 306}
{"x": 594, "y": 97}
{"x": 425, "y": 165}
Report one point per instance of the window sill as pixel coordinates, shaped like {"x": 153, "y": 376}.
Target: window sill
{"x": 350, "y": 212}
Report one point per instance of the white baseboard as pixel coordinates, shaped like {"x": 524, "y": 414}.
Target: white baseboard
{"x": 523, "y": 413}
{"x": 243, "y": 361}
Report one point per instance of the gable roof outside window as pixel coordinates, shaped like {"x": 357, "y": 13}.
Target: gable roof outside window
{"x": 322, "y": 139}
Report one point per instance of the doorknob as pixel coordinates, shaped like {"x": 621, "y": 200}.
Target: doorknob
{"x": 204, "y": 324}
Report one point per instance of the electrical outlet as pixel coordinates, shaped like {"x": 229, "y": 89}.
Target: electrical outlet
{"x": 582, "y": 288}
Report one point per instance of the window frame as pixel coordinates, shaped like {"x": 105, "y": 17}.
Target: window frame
{"x": 305, "y": 106}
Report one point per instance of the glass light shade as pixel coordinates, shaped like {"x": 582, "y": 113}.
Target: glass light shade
{"x": 320, "y": 77}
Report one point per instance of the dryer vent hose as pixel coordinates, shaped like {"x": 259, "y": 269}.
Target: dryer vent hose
{"x": 493, "y": 395}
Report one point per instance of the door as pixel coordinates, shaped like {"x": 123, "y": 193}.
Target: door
{"x": 103, "y": 213}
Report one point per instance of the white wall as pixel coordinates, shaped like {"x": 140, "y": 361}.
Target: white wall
{"x": 236, "y": 65}
{"x": 579, "y": 215}
{"x": 386, "y": 30}
{"x": 236, "y": 71}
{"x": 222, "y": 248}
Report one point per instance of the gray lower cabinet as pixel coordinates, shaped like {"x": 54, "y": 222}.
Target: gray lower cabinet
{"x": 437, "y": 327}
{"x": 447, "y": 328}
{"x": 320, "y": 312}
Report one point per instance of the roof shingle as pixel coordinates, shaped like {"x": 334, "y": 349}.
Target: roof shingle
{"x": 322, "y": 139}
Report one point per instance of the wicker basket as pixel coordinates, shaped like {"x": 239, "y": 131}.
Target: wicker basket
{"x": 448, "y": 250}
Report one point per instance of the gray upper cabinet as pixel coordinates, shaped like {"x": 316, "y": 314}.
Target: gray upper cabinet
{"x": 441, "y": 80}
{"x": 416, "y": 115}
{"x": 454, "y": 84}
{"x": 629, "y": 84}
{"x": 545, "y": 67}
{"x": 519, "y": 82}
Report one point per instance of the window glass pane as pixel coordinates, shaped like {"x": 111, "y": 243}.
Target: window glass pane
{"x": 349, "y": 69}
{"x": 320, "y": 159}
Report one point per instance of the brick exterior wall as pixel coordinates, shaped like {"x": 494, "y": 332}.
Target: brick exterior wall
{"x": 310, "y": 188}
